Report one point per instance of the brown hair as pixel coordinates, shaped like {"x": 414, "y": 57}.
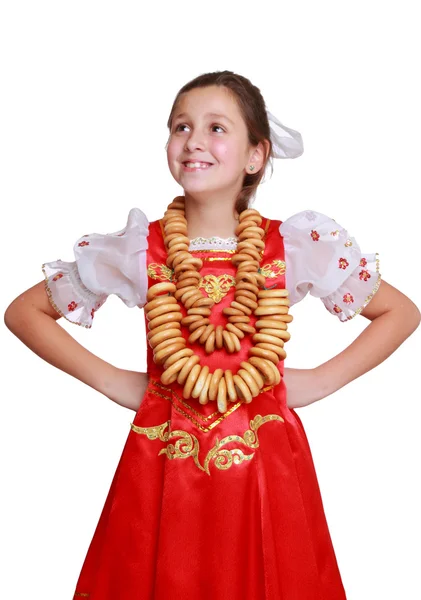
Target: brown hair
{"x": 253, "y": 109}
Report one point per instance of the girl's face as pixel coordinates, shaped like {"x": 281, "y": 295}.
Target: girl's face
{"x": 208, "y": 128}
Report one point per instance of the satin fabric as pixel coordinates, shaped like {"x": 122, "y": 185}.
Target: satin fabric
{"x": 209, "y": 506}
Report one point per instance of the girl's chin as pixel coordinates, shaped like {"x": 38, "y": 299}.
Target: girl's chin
{"x": 198, "y": 190}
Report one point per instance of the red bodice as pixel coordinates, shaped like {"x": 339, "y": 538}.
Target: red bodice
{"x": 218, "y": 282}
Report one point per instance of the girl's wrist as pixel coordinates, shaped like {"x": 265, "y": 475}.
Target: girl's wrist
{"x": 323, "y": 381}
{"x": 127, "y": 388}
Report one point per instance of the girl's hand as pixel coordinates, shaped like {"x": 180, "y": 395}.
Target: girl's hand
{"x": 303, "y": 387}
{"x": 126, "y": 388}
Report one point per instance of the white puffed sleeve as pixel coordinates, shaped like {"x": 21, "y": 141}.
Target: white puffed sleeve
{"x": 105, "y": 264}
{"x": 323, "y": 259}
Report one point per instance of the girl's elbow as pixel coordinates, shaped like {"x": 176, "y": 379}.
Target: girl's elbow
{"x": 413, "y": 315}
{"x": 12, "y": 317}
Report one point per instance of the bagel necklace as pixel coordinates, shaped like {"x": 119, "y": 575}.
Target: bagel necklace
{"x": 165, "y": 318}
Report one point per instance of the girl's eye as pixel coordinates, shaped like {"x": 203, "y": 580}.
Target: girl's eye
{"x": 177, "y": 128}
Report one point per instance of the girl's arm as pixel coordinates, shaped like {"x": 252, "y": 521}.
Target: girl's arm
{"x": 32, "y": 319}
{"x": 394, "y": 317}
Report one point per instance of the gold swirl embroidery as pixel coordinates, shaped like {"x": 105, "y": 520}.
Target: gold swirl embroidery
{"x": 273, "y": 269}
{"x": 217, "y": 287}
{"x": 185, "y": 447}
{"x": 188, "y": 444}
{"x": 161, "y": 272}
{"x": 81, "y": 595}
{"x": 153, "y": 433}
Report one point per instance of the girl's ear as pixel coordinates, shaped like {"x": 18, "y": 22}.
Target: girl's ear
{"x": 258, "y": 155}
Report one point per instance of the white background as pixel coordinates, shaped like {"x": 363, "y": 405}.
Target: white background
{"x": 86, "y": 92}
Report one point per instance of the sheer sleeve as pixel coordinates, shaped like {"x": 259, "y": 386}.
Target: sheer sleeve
{"x": 323, "y": 259}
{"x": 105, "y": 264}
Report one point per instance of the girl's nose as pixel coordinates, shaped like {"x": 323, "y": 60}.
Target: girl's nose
{"x": 195, "y": 141}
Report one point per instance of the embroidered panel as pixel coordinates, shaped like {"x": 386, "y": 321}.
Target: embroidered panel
{"x": 217, "y": 286}
{"x": 187, "y": 445}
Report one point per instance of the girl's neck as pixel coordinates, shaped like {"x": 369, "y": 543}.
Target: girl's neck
{"x": 206, "y": 219}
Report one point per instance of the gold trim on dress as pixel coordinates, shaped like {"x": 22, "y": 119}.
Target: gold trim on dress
{"x": 202, "y": 422}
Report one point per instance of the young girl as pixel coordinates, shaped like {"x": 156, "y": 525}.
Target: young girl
{"x": 215, "y": 494}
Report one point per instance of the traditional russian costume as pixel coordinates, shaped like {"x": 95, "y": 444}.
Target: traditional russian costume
{"x": 208, "y": 505}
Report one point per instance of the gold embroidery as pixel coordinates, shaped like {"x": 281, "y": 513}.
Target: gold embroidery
{"x": 198, "y": 422}
{"x": 225, "y": 458}
{"x": 268, "y": 270}
{"x": 159, "y": 384}
{"x": 225, "y": 250}
{"x": 217, "y": 287}
{"x": 81, "y": 595}
{"x": 188, "y": 444}
{"x": 161, "y": 272}
{"x": 153, "y": 433}
{"x": 202, "y": 422}
{"x": 209, "y": 258}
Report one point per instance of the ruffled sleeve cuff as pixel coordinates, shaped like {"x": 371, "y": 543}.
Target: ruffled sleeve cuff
{"x": 67, "y": 294}
{"x": 112, "y": 263}
{"x": 350, "y": 299}
{"x": 322, "y": 258}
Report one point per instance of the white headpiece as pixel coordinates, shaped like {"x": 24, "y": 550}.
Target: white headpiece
{"x": 286, "y": 142}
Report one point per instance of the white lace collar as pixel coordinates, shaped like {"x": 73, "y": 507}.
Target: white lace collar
{"x": 213, "y": 243}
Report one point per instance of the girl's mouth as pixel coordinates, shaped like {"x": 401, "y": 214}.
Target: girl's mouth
{"x": 191, "y": 167}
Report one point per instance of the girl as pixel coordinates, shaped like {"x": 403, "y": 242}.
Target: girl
{"x": 215, "y": 494}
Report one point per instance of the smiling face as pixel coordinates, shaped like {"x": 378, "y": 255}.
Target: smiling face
{"x": 208, "y": 127}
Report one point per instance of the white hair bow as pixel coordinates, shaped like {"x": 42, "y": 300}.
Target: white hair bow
{"x": 286, "y": 142}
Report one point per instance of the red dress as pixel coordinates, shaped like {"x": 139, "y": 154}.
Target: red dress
{"x": 205, "y": 505}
